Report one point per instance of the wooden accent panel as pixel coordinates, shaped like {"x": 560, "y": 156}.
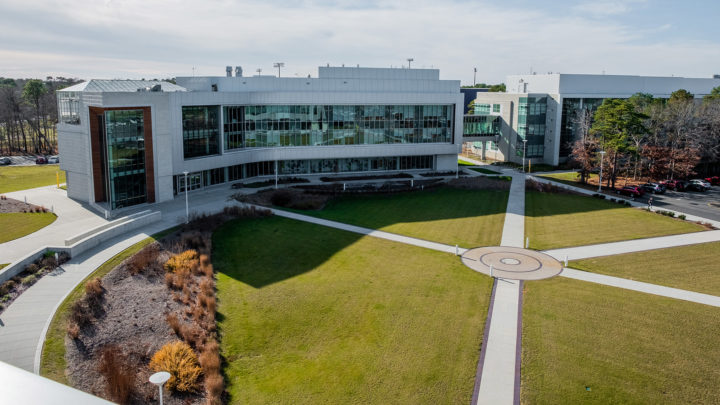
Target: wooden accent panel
{"x": 149, "y": 157}
{"x": 95, "y": 145}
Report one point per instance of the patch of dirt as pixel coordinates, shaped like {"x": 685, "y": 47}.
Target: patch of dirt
{"x": 9, "y": 205}
{"x": 132, "y": 315}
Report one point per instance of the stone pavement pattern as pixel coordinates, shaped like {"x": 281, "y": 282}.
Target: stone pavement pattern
{"x": 512, "y": 263}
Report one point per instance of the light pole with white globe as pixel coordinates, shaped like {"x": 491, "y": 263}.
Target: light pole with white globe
{"x": 187, "y": 212}
{"x": 159, "y": 379}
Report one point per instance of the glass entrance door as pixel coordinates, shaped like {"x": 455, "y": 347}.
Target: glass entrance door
{"x": 195, "y": 182}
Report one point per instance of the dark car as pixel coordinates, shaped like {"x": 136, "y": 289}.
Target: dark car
{"x": 698, "y": 185}
{"x": 654, "y": 188}
{"x": 677, "y": 185}
{"x": 40, "y": 160}
{"x": 631, "y": 191}
{"x": 4, "y": 161}
{"x": 714, "y": 180}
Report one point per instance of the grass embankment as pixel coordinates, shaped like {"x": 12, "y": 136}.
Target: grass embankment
{"x": 465, "y": 163}
{"x": 14, "y": 178}
{"x": 693, "y": 268}
{"x": 625, "y": 347}
{"x": 468, "y": 218}
{"x": 562, "y": 220}
{"x": 483, "y": 170}
{"x": 18, "y": 224}
{"x": 3, "y": 265}
{"x": 52, "y": 363}
{"x": 310, "y": 314}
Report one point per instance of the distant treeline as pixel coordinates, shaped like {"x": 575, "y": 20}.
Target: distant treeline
{"x": 28, "y": 114}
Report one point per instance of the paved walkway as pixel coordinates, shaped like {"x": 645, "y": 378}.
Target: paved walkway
{"x": 500, "y": 377}
{"x": 642, "y": 287}
{"x": 637, "y": 245}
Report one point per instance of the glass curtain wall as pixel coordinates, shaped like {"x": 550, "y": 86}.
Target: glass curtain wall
{"x": 69, "y": 107}
{"x": 316, "y": 125}
{"x": 531, "y": 126}
{"x": 568, "y": 128}
{"x": 481, "y": 125}
{"x": 200, "y": 131}
{"x": 125, "y": 140}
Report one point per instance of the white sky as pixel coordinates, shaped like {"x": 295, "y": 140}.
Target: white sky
{"x": 163, "y": 38}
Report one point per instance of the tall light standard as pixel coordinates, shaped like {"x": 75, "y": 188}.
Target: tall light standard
{"x": 474, "y": 75}
{"x": 159, "y": 379}
{"x": 602, "y": 157}
{"x": 409, "y": 61}
{"x": 187, "y": 211}
{"x": 524, "y": 148}
{"x": 278, "y": 65}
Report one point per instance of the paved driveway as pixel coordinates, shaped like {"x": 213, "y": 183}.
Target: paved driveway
{"x": 705, "y": 204}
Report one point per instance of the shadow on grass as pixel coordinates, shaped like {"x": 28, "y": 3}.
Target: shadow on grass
{"x": 539, "y": 204}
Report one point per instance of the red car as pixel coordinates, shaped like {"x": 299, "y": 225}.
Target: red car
{"x": 714, "y": 180}
{"x": 678, "y": 185}
{"x": 631, "y": 191}
{"x": 40, "y": 160}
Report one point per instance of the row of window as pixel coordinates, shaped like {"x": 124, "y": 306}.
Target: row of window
{"x": 481, "y": 125}
{"x": 125, "y": 138}
{"x": 297, "y": 167}
{"x": 485, "y": 109}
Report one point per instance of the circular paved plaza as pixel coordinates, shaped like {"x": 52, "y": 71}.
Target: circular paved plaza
{"x": 512, "y": 263}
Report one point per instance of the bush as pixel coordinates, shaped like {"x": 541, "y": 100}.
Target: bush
{"x": 29, "y": 280}
{"x": 185, "y": 260}
{"x": 174, "y": 323}
{"x": 682, "y": 216}
{"x": 627, "y": 203}
{"x": 94, "y": 292}
{"x": 281, "y": 198}
{"x": 118, "y": 375}
{"x": 178, "y": 359}
{"x": 73, "y": 330}
{"x": 143, "y": 260}
{"x": 32, "y": 268}
{"x": 80, "y": 314}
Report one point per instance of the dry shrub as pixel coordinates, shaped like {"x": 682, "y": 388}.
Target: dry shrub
{"x": 178, "y": 359}
{"x": 210, "y": 357}
{"x": 174, "y": 323}
{"x": 169, "y": 279}
{"x": 118, "y": 375}
{"x": 73, "y": 330}
{"x": 185, "y": 260}
{"x": 80, "y": 314}
{"x": 211, "y": 306}
{"x": 194, "y": 241}
{"x": 193, "y": 335}
{"x": 94, "y": 292}
{"x": 48, "y": 262}
{"x": 207, "y": 271}
{"x": 207, "y": 287}
{"x": 143, "y": 260}
{"x": 214, "y": 386}
{"x": 198, "y": 313}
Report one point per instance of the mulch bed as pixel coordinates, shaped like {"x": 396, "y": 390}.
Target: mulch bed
{"x": 9, "y": 205}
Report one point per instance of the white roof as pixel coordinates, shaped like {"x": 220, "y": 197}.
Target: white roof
{"x": 120, "y": 86}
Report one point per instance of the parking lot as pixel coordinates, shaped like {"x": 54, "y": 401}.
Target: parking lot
{"x": 705, "y": 204}
{"x": 22, "y": 160}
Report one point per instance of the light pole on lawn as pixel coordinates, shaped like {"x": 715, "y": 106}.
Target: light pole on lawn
{"x": 602, "y": 157}
{"x": 187, "y": 210}
{"x": 524, "y": 148}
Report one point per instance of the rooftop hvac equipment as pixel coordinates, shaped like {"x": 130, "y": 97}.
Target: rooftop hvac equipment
{"x": 238, "y": 71}
{"x": 228, "y": 71}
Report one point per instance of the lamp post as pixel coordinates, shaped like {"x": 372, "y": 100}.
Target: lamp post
{"x": 409, "y": 61}
{"x": 524, "y": 147}
{"x": 159, "y": 379}
{"x": 474, "y": 75}
{"x": 278, "y": 65}
{"x": 602, "y": 157}
{"x": 187, "y": 211}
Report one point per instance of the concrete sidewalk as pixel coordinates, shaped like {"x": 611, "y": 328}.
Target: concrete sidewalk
{"x": 637, "y": 245}
{"x": 642, "y": 287}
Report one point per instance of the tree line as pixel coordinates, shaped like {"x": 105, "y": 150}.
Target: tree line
{"x": 28, "y": 114}
{"x": 644, "y": 136}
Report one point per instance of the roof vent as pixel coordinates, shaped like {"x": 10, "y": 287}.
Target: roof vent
{"x": 156, "y": 88}
{"x": 238, "y": 71}
{"x": 228, "y": 71}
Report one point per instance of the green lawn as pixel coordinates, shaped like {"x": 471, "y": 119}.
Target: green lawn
{"x": 627, "y": 347}
{"x": 465, "y": 163}
{"x": 468, "y": 218}
{"x": 18, "y": 224}
{"x": 484, "y": 171}
{"x": 52, "y": 363}
{"x": 570, "y": 178}
{"x": 562, "y": 220}
{"x": 14, "y": 178}
{"x": 693, "y": 267}
{"x": 3, "y": 265}
{"x": 310, "y": 315}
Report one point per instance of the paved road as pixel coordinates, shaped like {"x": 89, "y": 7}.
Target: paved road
{"x": 691, "y": 202}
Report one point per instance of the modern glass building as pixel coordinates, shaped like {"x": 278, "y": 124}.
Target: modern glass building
{"x": 125, "y": 143}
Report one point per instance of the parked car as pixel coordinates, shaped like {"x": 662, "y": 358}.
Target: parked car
{"x": 53, "y": 159}
{"x": 4, "y": 161}
{"x": 698, "y": 185}
{"x": 678, "y": 185}
{"x": 631, "y": 191}
{"x": 714, "y": 180}
{"x": 41, "y": 160}
{"x": 654, "y": 188}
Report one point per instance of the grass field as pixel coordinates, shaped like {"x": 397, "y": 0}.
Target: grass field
{"x": 309, "y": 314}
{"x": 483, "y": 170}
{"x": 468, "y": 218}
{"x": 570, "y": 178}
{"x": 626, "y": 347}
{"x": 18, "y": 224}
{"x": 693, "y": 267}
{"x": 52, "y": 363}
{"x": 465, "y": 163}
{"x": 14, "y": 178}
{"x": 562, "y": 220}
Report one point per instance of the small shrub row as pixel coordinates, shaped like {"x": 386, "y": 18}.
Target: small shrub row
{"x": 666, "y": 213}
{"x": 370, "y": 177}
{"x": 34, "y": 210}
{"x": 144, "y": 260}
{"x": 85, "y": 310}
{"x": 31, "y": 274}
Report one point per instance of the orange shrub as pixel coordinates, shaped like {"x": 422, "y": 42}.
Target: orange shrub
{"x": 186, "y": 260}
{"x": 178, "y": 359}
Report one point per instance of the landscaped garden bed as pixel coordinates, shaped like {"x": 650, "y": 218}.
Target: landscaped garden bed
{"x": 13, "y": 288}
{"x": 18, "y": 218}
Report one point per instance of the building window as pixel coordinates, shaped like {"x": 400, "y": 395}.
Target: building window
{"x": 200, "y": 131}
{"x": 481, "y": 125}
{"x": 496, "y": 108}
{"x": 125, "y": 139}
{"x": 233, "y": 127}
{"x": 69, "y": 107}
{"x": 482, "y": 109}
